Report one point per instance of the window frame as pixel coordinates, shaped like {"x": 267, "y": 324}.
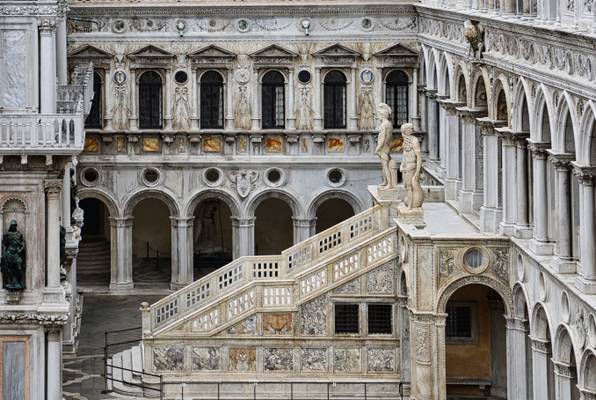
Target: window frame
{"x": 221, "y": 106}
{"x": 473, "y": 339}
{"x": 335, "y": 315}
{"x": 391, "y": 315}
{"x": 395, "y": 87}
{"x": 159, "y": 101}
{"x": 272, "y": 109}
{"x": 339, "y": 89}
{"x": 97, "y": 96}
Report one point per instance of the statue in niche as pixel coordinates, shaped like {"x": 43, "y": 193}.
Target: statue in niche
{"x": 120, "y": 110}
{"x": 410, "y": 168}
{"x": 383, "y": 149}
{"x": 12, "y": 263}
{"x": 304, "y": 110}
{"x": 181, "y": 110}
{"x": 366, "y": 109}
{"x": 242, "y": 109}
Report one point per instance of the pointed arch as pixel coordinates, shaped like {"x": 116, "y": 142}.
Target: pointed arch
{"x": 586, "y": 154}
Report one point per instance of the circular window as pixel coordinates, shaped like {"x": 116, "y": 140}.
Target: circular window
{"x": 475, "y": 260}
{"x": 304, "y": 76}
{"x": 274, "y": 177}
{"x": 89, "y": 176}
{"x": 212, "y": 176}
{"x": 181, "y": 77}
{"x": 150, "y": 176}
{"x": 336, "y": 177}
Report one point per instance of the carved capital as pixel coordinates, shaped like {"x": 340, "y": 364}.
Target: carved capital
{"x": 53, "y": 187}
{"x": 564, "y": 369}
{"x": 541, "y": 346}
{"x": 538, "y": 150}
{"x": 585, "y": 175}
{"x": 561, "y": 161}
{"x": 47, "y": 26}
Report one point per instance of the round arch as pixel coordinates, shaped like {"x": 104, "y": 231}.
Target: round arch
{"x": 520, "y": 302}
{"x": 276, "y": 193}
{"x": 563, "y": 346}
{"x": 212, "y": 193}
{"x": 266, "y": 71}
{"x": 540, "y": 326}
{"x": 105, "y": 197}
{"x": 151, "y": 193}
{"x": 211, "y": 71}
{"x": 460, "y": 93}
{"x": 501, "y": 87}
{"x": 479, "y": 77}
{"x": 352, "y": 200}
{"x": 587, "y": 370}
{"x": 502, "y": 289}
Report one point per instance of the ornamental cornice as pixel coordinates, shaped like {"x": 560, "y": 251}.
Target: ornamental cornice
{"x": 30, "y": 10}
{"x": 234, "y": 10}
{"x": 561, "y": 161}
{"x": 586, "y": 175}
{"x": 33, "y": 317}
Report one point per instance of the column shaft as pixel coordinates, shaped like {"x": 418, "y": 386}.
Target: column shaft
{"x": 587, "y": 270}
{"x": 244, "y": 237}
{"x": 53, "y": 190}
{"x": 47, "y": 43}
{"x": 61, "y": 51}
{"x": 433, "y": 129}
{"x": 54, "y": 365}
{"x": 121, "y": 275}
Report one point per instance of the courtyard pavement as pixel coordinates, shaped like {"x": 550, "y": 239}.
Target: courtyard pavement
{"x": 82, "y": 373}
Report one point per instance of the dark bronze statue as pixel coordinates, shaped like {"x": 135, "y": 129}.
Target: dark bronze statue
{"x": 13, "y": 259}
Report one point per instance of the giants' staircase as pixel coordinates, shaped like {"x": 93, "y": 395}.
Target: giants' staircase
{"x": 234, "y": 292}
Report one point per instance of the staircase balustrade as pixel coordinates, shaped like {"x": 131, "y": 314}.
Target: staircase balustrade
{"x": 247, "y": 283}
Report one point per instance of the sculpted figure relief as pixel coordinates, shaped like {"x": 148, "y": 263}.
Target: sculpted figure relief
{"x": 181, "y": 110}
{"x": 366, "y": 109}
{"x": 120, "y": 110}
{"x": 242, "y": 109}
{"x": 304, "y": 111}
{"x": 411, "y": 165}
{"x": 383, "y": 149}
{"x": 12, "y": 263}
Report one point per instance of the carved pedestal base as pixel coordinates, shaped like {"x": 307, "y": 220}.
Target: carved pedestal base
{"x": 413, "y": 217}
{"x": 13, "y": 296}
{"x": 391, "y": 195}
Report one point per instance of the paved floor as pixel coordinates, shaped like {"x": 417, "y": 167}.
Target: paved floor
{"x": 82, "y": 378}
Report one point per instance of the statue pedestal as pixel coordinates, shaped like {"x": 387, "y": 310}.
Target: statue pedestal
{"x": 390, "y": 195}
{"x": 413, "y": 217}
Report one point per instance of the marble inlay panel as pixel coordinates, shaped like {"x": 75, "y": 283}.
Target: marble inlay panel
{"x": 381, "y": 280}
{"x": 242, "y": 359}
{"x": 206, "y": 359}
{"x": 245, "y": 327}
{"x": 314, "y": 318}
{"x": 278, "y": 359}
{"x": 381, "y": 360}
{"x": 277, "y": 324}
{"x": 13, "y": 66}
{"x": 168, "y": 358}
{"x": 351, "y": 287}
{"x": 346, "y": 360}
{"x": 314, "y": 360}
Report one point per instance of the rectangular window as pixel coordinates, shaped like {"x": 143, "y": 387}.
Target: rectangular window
{"x": 335, "y": 106}
{"x": 346, "y": 318}
{"x": 458, "y": 326}
{"x": 212, "y": 106}
{"x": 380, "y": 319}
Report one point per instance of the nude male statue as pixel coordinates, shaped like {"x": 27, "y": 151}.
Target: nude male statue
{"x": 383, "y": 149}
{"x": 411, "y": 165}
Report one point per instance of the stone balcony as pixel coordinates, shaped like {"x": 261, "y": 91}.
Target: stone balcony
{"x": 61, "y": 133}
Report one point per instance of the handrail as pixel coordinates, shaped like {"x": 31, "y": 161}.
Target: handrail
{"x": 296, "y": 258}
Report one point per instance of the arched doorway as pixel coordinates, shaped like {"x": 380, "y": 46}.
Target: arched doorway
{"x": 212, "y": 241}
{"x": 542, "y": 365}
{"x": 93, "y": 259}
{"x": 475, "y": 343}
{"x": 151, "y": 243}
{"x": 331, "y": 212}
{"x": 565, "y": 367}
{"x": 274, "y": 230}
{"x": 522, "y": 344}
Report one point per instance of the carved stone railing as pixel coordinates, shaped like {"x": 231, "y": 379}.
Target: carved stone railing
{"x": 258, "y": 291}
{"x": 42, "y": 133}
{"x": 312, "y": 254}
{"x": 76, "y": 98}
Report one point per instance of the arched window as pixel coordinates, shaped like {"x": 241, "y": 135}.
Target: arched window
{"x": 335, "y": 100}
{"x": 95, "y": 117}
{"x": 150, "y": 98}
{"x": 396, "y": 96}
{"x": 212, "y": 100}
{"x": 273, "y": 101}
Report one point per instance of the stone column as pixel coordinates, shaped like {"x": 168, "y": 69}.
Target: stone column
{"x": 182, "y": 251}
{"x": 490, "y": 214}
{"x": 290, "y": 117}
{"x": 54, "y": 364}
{"x": 66, "y": 181}
{"x": 244, "y": 236}
{"x": 121, "y": 253}
{"x": 562, "y": 166}
{"x": 134, "y": 90}
{"x": 541, "y": 356}
{"x": 53, "y": 191}
{"x": 470, "y": 197}
{"x": 302, "y": 228}
{"x": 316, "y": 95}
{"x": 433, "y": 126}
{"x": 61, "y": 54}
{"x": 540, "y": 243}
{"x": 47, "y": 66}
{"x": 586, "y": 280}
{"x": 194, "y": 94}
{"x": 229, "y": 104}
{"x": 509, "y": 183}
{"x": 404, "y": 328}
{"x": 522, "y": 223}
{"x": 421, "y": 98}
{"x": 256, "y": 103}
{"x": 415, "y": 112}
{"x": 564, "y": 374}
{"x": 167, "y": 101}
{"x": 443, "y": 140}
{"x": 351, "y": 99}
{"x": 517, "y": 368}
{"x": 427, "y": 354}
{"x": 452, "y": 155}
